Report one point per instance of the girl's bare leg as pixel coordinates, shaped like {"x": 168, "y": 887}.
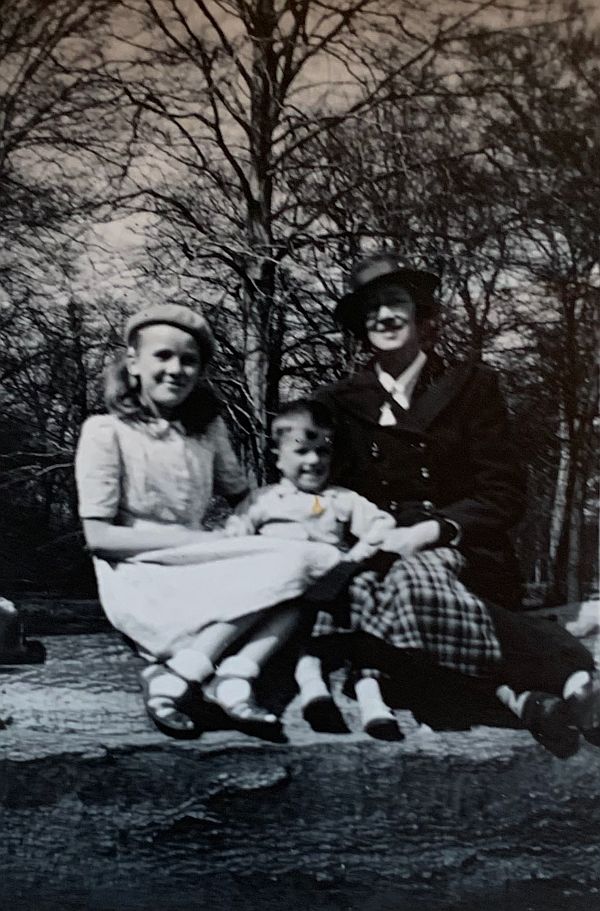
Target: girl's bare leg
{"x": 196, "y": 662}
{"x": 232, "y": 687}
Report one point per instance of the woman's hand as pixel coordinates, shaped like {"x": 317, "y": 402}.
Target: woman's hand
{"x": 410, "y": 540}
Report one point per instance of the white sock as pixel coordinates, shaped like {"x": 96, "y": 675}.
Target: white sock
{"x": 510, "y": 699}
{"x": 309, "y": 677}
{"x": 576, "y": 683}
{"x": 231, "y": 690}
{"x": 163, "y": 682}
{"x": 238, "y": 666}
{"x": 191, "y": 665}
{"x": 370, "y": 701}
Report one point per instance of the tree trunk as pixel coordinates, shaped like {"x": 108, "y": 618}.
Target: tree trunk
{"x": 557, "y": 518}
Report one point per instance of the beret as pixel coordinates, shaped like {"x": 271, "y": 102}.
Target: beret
{"x": 174, "y": 315}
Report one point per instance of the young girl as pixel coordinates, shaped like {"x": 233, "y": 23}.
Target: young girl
{"x": 146, "y": 472}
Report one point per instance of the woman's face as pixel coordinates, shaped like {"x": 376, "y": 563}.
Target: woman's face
{"x": 391, "y": 325}
{"x": 167, "y": 362}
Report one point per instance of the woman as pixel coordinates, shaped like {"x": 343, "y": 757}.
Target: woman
{"x": 432, "y": 446}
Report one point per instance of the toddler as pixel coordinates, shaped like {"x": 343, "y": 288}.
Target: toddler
{"x": 304, "y": 506}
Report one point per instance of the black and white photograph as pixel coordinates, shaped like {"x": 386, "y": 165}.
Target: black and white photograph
{"x": 299, "y": 596}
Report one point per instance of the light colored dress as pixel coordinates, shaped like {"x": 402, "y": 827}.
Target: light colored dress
{"x": 152, "y": 474}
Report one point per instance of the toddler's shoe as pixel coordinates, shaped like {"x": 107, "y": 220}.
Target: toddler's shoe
{"x": 383, "y": 726}
{"x": 324, "y": 716}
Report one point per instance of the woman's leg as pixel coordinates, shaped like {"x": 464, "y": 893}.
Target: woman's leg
{"x": 549, "y": 678}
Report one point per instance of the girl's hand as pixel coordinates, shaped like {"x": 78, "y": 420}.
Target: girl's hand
{"x": 408, "y": 541}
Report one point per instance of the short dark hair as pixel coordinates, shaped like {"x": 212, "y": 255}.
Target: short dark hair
{"x": 318, "y": 413}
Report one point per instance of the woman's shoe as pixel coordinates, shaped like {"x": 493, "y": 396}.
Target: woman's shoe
{"x": 162, "y": 691}
{"x": 548, "y": 719}
{"x": 584, "y": 710}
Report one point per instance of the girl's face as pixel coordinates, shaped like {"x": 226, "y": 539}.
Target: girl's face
{"x": 167, "y": 362}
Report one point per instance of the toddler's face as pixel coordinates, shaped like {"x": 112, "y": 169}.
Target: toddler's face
{"x": 305, "y": 456}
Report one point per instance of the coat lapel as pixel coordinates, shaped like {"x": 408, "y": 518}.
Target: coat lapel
{"x": 363, "y": 395}
{"x": 438, "y": 390}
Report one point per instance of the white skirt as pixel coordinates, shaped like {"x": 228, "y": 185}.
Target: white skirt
{"x": 162, "y": 599}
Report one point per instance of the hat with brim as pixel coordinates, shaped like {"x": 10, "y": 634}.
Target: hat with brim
{"x": 384, "y": 270}
{"x": 177, "y": 315}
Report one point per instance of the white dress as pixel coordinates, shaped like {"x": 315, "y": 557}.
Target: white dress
{"x": 153, "y": 474}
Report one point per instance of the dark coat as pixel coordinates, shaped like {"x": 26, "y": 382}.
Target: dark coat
{"x": 450, "y": 456}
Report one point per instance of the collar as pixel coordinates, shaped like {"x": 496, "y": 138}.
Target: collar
{"x": 285, "y": 487}
{"x": 403, "y": 386}
{"x": 362, "y": 395}
{"x": 161, "y": 427}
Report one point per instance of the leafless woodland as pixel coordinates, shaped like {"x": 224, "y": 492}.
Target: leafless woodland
{"x": 237, "y": 154}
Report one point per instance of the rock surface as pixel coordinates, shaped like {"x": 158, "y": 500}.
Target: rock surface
{"x": 100, "y": 811}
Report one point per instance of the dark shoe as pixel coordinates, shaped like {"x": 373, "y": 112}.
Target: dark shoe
{"x": 584, "y": 710}
{"x": 383, "y": 729}
{"x": 324, "y": 716}
{"x": 165, "y": 710}
{"x": 548, "y": 720}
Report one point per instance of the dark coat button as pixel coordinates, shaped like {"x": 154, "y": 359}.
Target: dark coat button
{"x": 425, "y": 472}
{"x": 428, "y": 506}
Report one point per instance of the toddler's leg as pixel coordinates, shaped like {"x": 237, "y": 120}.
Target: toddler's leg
{"x": 376, "y": 716}
{"x": 318, "y": 706}
{"x": 310, "y": 679}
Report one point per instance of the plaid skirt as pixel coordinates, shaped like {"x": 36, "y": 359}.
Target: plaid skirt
{"x": 422, "y": 604}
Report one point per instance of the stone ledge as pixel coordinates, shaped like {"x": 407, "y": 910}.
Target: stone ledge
{"x": 100, "y": 811}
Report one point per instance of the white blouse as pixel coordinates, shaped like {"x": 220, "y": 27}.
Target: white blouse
{"x": 132, "y": 472}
